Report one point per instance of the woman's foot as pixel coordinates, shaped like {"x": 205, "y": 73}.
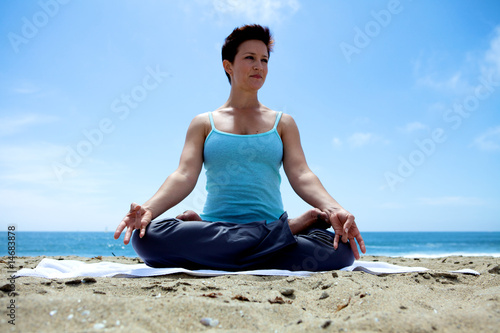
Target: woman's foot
{"x": 307, "y": 219}
{"x": 189, "y": 215}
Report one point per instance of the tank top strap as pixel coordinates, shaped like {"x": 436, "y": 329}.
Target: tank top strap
{"x": 211, "y": 120}
{"x": 278, "y": 117}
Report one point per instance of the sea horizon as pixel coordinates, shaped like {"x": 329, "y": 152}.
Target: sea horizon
{"x": 410, "y": 244}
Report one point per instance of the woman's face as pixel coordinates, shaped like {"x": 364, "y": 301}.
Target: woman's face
{"x": 249, "y": 68}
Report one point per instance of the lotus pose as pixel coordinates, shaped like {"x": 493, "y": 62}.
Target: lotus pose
{"x": 242, "y": 146}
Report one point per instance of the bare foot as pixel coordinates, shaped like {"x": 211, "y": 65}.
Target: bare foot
{"x": 189, "y": 215}
{"x": 306, "y": 220}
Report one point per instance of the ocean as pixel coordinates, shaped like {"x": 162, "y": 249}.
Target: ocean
{"x": 393, "y": 244}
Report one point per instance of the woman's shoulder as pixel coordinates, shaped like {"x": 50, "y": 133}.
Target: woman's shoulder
{"x": 287, "y": 120}
{"x": 286, "y": 125}
{"x": 201, "y": 122}
{"x": 202, "y": 118}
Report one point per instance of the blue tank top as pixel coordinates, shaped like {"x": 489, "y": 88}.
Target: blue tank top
{"x": 243, "y": 179}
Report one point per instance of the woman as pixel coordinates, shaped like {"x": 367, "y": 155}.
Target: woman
{"x": 243, "y": 226}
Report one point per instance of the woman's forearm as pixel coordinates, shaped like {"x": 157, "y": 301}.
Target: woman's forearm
{"x": 175, "y": 189}
{"x": 309, "y": 188}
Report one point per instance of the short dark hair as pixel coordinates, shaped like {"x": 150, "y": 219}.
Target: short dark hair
{"x": 242, "y": 34}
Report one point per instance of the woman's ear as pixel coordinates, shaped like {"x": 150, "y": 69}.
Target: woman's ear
{"x": 228, "y": 66}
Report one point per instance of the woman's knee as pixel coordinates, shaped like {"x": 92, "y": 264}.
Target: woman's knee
{"x": 325, "y": 258}
{"x": 140, "y": 245}
{"x": 148, "y": 246}
{"x": 344, "y": 254}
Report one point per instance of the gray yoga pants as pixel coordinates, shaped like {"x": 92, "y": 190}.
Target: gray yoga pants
{"x": 233, "y": 246}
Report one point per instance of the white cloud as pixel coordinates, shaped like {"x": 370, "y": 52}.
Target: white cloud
{"x": 454, "y": 83}
{"x": 414, "y": 127}
{"x": 488, "y": 141}
{"x": 490, "y": 66}
{"x": 15, "y": 124}
{"x": 451, "y": 201}
{"x": 259, "y": 11}
{"x": 492, "y": 56}
{"x": 464, "y": 81}
{"x": 360, "y": 139}
{"x": 336, "y": 142}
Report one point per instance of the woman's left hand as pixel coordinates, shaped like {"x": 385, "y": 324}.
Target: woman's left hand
{"x": 344, "y": 226}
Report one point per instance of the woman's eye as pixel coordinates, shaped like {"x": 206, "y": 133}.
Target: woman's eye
{"x": 249, "y": 57}
{"x": 265, "y": 60}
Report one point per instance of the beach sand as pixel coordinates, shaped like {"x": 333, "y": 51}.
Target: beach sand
{"x": 337, "y": 301}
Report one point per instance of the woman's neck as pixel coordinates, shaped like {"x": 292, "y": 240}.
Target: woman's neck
{"x": 241, "y": 100}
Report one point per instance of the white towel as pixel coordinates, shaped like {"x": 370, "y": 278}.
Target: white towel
{"x": 62, "y": 269}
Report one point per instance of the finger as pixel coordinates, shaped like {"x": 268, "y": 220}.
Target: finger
{"x": 361, "y": 243}
{"x": 137, "y": 219}
{"x": 134, "y": 207}
{"x": 143, "y": 229}
{"x": 354, "y": 248}
{"x": 336, "y": 241}
{"x": 327, "y": 217}
{"x": 119, "y": 229}
{"x": 322, "y": 216}
{"x": 347, "y": 226}
{"x": 128, "y": 234}
{"x": 146, "y": 219}
{"x": 336, "y": 224}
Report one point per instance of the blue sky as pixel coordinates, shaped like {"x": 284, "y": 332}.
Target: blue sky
{"x": 397, "y": 103}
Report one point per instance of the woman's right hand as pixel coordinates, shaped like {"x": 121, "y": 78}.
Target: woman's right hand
{"x": 137, "y": 218}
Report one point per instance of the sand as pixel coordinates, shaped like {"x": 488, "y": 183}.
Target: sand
{"x": 337, "y": 301}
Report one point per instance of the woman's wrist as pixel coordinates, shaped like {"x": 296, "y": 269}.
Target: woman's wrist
{"x": 331, "y": 208}
{"x": 149, "y": 209}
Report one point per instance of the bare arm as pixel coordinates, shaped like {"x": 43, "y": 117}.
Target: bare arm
{"x": 308, "y": 186}
{"x": 176, "y": 187}
{"x": 304, "y": 182}
{"x": 182, "y": 181}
